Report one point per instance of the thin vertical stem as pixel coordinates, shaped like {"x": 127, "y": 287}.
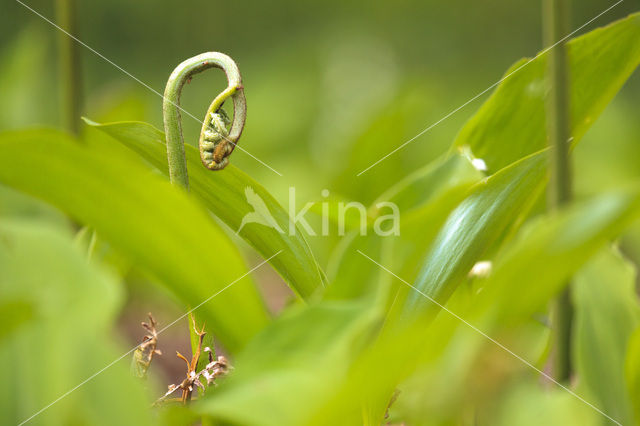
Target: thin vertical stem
{"x": 558, "y": 126}
{"x": 171, "y": 108}
{"x": 69, "y": 66}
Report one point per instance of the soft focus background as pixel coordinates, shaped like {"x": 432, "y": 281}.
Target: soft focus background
{"x": 331, "y": 87}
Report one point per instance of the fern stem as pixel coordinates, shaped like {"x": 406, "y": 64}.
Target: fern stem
{"x": 171, "y": 107}
{"x": 558, "y": 126}
{"x": 69, "y": 66}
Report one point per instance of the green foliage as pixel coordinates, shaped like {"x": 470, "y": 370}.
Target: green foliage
{"x": 607, "y": 313}
{"x": 475, "y": 226}
{"x": 225, "y": 195}
{"x": 511, "y": 124}
{"x": 59, "y": 312}
{"x": 137, "y": 212}
{"x": 296, "y": 371}
{"x": 400, "y": 330}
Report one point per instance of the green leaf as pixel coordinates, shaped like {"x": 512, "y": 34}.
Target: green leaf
{"x": 606, "y": 314}
{"x": 232, "y": 196}
{"x": 429, "y": 182}
{"x": 511, "y": 123}
{"x": 529, "y": 272}
{"x": 67, "y": 338}
{"x": 535, "y": 266}
{"x": 356, "y": 276}
{"x": 480, "y": 221}
{"x": 287, "y": 372}
{"x": 13, "y": 314}
{"x": 509, "y": 126}
{"x": 424, "y": 200}
{"x": 154, "y": 224}
{"x": 532, "y": 405}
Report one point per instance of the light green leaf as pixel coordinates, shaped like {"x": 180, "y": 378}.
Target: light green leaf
{"x": 154, "y": 224}
{"x": 535, "y": 266}
{"x": 67, "y": 338}
{"x": 13, "y": 314}
{"x": 509, "y": 126}
{"x": 511, "y": 123}
{"x": 424, "y": 200}
{"x": 607, "y": 312}
{"x": 287, "y": 372}
{"x": 531, "y": 405}
{"x": 526, "y": 276}
{"x": 481, "y": 220}
{"x": 357, "y": 277}
{"x": 242, "y": 203}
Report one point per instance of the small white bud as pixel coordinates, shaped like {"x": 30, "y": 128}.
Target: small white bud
{"x": 481, "y": 269}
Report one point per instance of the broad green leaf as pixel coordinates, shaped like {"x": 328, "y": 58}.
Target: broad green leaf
{"x": 67, "y": 338}
{"x": 527, "y": 275}
{"x": 292, "y": 366}
{"x": 154, "y": 224}
{"x": 511, "y": 123}
{"x": 606, "y": 314}
{"x": 448, "y": 346}
{"x": 424, "y": 200}
{"x": 15, "y": 204}
{"x": 499, "y": 139}
{"x": 482, "y": 219}
{"x": 420, "y": 227}
{"x": 535, "y": 266}
{"x": 242, "y": 203}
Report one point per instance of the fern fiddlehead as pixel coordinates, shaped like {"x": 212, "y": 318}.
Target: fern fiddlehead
{"x": 219, "y": 135}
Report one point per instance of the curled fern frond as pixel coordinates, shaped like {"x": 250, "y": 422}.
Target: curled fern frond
{"x": 214, "y": 146}
{"x": 219, "y": 135}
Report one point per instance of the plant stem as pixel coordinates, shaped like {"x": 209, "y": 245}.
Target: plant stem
{"x": 171, "y": 107}
{"x": 69, "y": 66}
{"x": 558, "y": 126}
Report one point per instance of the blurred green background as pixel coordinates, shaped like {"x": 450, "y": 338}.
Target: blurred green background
{"x": 331, "y": 86}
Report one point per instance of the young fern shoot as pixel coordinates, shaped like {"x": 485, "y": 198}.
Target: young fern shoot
{"x": 217, "y": 140}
